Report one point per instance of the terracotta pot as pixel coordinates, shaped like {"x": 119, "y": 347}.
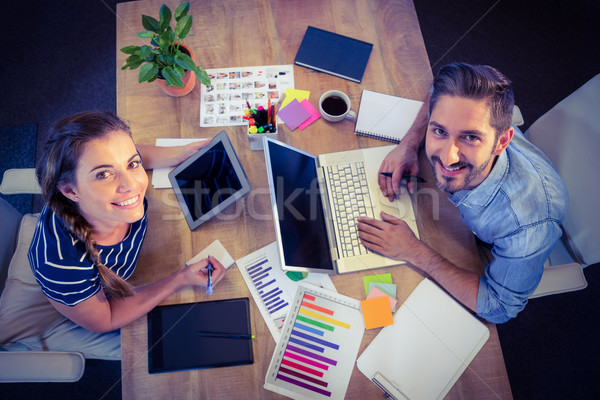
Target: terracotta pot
{"x": 189, "y": 79}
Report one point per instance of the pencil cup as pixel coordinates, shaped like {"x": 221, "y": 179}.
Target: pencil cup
{"x": 256, "y": 138}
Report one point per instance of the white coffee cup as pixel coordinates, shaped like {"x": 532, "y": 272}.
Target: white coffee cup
{"x": 334, "y": 106}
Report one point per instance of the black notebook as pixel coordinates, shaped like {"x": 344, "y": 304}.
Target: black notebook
{"x": 334, "y": 54}
{"x": 173, "y": 344}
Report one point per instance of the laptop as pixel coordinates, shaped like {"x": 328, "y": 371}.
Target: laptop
{"x": 315, "y": 201}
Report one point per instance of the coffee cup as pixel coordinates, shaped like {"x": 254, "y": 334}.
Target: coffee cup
{"x": 334, "y": 106}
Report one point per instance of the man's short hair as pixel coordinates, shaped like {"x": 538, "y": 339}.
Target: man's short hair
{"x": 477, "y": 82}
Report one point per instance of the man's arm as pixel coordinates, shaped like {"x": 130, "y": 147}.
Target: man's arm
{"x": 393, "y": 238}
{"x": 404, "y": 157}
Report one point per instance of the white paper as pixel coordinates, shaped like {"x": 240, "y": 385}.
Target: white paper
{"x": 218, "y": 251}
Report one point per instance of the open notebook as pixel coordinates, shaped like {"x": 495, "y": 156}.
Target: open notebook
{"x": 384, "y": 116}
{"x": 431, "y": 343}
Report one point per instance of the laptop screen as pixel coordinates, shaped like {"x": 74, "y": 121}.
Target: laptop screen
{"x": 300, "y": 219}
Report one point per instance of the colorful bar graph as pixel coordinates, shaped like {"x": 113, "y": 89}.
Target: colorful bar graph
{"x": 318, "y": 346}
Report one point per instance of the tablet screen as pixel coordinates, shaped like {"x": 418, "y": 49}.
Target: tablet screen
{"x": 209, "y": 181}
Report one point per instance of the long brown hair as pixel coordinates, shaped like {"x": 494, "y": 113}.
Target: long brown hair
{"x": 57, "y": 168}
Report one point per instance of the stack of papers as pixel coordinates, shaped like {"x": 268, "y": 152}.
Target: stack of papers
{"x": 296, "y": 111}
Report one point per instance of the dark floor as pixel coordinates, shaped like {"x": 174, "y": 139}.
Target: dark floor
{"x": 59, "y": 58}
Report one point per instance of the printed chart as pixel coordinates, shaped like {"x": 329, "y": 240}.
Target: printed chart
{"x": 319, "y": 343}
{"x": 271, "y": 289}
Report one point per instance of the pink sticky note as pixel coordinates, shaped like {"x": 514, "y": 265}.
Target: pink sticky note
{"x": 374, "y": 293}
{"x": 293, "y": 114}
{"x": 314, "y": 114}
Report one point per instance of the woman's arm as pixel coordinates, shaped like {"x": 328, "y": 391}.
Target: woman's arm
{"x": 100, "y": 314}
{"x": 158, "y": 157}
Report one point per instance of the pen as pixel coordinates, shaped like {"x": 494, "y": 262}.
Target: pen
{"x": 209, "y": 288}
{"x": 406, "y": 177}
{"x": 225, "y": 335}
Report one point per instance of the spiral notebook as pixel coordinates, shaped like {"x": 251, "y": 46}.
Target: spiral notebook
{"x": 384, "y": 116}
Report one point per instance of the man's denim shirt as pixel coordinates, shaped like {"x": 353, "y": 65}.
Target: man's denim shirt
{"x": 518, "y": 208}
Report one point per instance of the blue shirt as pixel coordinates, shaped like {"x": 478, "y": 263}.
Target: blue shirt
{"x": 518, "y": 209}
{"x": 60, "y": 263}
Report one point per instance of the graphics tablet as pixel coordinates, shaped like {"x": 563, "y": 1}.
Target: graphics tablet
{"x": 207, "y": 334}
{"x": 209, "y": 181}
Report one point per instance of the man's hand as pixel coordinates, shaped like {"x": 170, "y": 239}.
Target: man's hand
{"x": 402, "y": 159}
{"x": 391, "y": 237}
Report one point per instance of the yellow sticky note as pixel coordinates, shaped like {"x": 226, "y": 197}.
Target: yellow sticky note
{"x": 291, "y": 94}
{"x": 383, "y": 278}
{"x": 377, "y": 312}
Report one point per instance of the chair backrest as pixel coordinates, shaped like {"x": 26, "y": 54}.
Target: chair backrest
{"x": 569, "y": 134}
{"x": 11, "y": 219}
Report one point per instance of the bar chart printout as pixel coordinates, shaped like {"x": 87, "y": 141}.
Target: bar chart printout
{"x": 318, "y": 346}
{"x": 271, "y": 289}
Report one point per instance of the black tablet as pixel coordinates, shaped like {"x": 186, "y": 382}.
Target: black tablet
{"x": 207, "y": 334}
{"x": 209, "y": 181}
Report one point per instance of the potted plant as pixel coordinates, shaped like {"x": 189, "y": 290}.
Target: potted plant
{"x": 166, "y": 60}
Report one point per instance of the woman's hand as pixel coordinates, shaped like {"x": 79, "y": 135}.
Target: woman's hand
{"x": 197, "y": 273}
{"x": 190, "y": 149}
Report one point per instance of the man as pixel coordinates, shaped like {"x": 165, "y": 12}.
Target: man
{"x": 506, "y": 189}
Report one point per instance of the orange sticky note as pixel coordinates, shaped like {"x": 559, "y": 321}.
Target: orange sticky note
{"x": 377, "y": 312}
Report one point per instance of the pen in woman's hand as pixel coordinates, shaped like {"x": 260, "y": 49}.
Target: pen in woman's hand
{"x": 209, "y": 286}
{"x": 405, "y": 177}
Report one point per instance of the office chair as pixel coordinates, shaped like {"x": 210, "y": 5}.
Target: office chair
{"x": 18, "y": 289}
{"x": 569, "y": 134}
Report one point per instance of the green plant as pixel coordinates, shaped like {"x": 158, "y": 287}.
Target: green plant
{"x": 164, "y": 58}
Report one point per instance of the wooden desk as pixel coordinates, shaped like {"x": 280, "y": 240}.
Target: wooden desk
{"x": 251, "y": 33}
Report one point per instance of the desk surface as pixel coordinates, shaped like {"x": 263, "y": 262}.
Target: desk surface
{"x": 251, "y": 33}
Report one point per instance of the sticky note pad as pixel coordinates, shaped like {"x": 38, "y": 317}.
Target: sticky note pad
{"x": 383, "y": 278}
{"x": 314, "y": 114}
{"x": 291, "y": 94}
{"x": 375, "y": 293}
{"x": 376, "y": 312}
{"x": 293, "y": 114}
{"x": 387, "y": 288}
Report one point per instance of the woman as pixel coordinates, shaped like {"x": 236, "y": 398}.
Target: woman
{"x": 90, "y": 232}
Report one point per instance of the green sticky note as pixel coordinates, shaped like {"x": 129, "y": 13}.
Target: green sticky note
{"x": 381, "y": 278}
{"x": 387, "y": 288}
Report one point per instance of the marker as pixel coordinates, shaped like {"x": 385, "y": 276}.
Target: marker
{"x": 209, "y": 287}
{"x": 225, "y": 335}
{"x": 405, "y": 176}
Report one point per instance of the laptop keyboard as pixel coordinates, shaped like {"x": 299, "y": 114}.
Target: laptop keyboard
{"x": 350, "y": 195}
